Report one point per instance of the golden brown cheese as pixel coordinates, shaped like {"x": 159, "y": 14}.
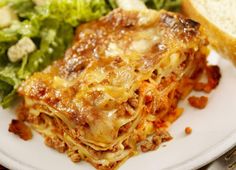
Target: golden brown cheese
{"x": 117, "y": 85}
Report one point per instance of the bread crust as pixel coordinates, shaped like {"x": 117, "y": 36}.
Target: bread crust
{"x": 221, "y": 41}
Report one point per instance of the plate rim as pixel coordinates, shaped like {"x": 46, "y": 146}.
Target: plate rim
{"x": 212, "y": 153}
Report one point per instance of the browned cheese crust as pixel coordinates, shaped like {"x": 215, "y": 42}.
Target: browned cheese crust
{"x": 118, "y": 84}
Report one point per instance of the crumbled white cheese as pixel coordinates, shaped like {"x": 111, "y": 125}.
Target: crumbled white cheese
{"x": 26, "y": 44}
{"x": 6, "y": 16}
{"x": 15, "y": 54}
{"x": 23, "y": 47}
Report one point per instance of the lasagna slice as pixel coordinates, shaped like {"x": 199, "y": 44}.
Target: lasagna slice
{"x": 116, "y": 91}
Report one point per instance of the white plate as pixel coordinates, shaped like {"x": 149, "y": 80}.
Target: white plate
{"x": 214, "y": 132}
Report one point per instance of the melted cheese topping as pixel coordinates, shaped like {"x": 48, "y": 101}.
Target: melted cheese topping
{"x": 120, "y": 78}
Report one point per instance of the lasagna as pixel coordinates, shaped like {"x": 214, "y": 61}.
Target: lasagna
{"x": 116, "y": 90}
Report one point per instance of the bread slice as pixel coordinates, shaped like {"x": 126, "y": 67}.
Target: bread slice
{"x": 218, "y": 17}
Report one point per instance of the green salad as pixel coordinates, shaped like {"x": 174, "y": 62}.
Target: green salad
{"x": 34, "y": 33}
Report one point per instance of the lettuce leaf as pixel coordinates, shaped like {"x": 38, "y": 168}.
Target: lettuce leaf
{"x": 8, "y": 84}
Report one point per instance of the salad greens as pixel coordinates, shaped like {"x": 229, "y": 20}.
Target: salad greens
{"x": 50, "y": 25}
